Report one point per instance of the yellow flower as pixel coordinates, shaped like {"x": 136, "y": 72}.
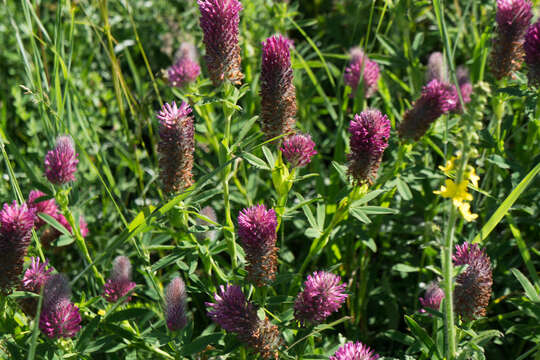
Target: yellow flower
{"x": 471, "y": 175}
{"x": 465, "y": 210}
{"x": 450, "y": 165}
{"x": 455, "y": 192}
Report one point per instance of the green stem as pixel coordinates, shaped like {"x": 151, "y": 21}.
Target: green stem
{"x": 229, "y": 228}
{"x": 446, "y": 255}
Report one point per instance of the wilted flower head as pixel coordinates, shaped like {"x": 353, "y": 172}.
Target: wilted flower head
{"x": 48, "y": 207}
{"x": 437, "y": 98}
{"x": 369, "y": 137}
{"x": 354, "y": 351}
{"x": 186, "y": 67}
{"x": 235, "y": 314}
{"x": 298, "y": 150}
{"x": 361, "y": 67}
{"x": 278, "y": 94}
{"x": 436, "y": 68}
{"x": 219, "y": 22}
{"x": 257, "y": 232}
{"x": 176, "y": 146}
{"x": 59, "y": 317}
{"x": 432, "y": 298}
{"x": 323, "y": 294}
{"x": 473, "y": 285}
{"x": 35, "y": 276}
{"x": 61, "y": 162}
{"x": 119, "y": 284}
{"x": 532, "y": 53}
{"x": 175, "y": 302}
{"x": 513, "y": 18}
{"x": 209, "y": 212}
{"x": 16, "y": 224}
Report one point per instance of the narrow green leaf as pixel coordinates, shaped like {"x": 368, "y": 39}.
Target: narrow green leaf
{"x": 530, "y": 291}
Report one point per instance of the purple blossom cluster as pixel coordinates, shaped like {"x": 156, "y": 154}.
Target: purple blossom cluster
{"x": 61, "y": 162}
{"x": 532, "y": 53}
{"x": 175, "y": 305}
{"x": 362, "y": 69}
{"x": 119, "y": 284}
{"x": 369, "y": 137}
{"x": 432, "y": 298}
{"x": 354, "y": 351}
{"x": 298, "y": 150}
{"x": 186, "y": 68}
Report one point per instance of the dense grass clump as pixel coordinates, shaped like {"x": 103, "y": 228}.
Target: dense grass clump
{"x": 258, "y": 179}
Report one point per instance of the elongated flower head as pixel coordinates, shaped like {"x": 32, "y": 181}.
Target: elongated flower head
{"x": 219, "y": 22}
{"x": 209, "y": 212}
{"x": 186, "y": 68}
{"x": 362, "y": 68}
{"x": 369, "y": 137}
{"x": 257, "y": 232}
{"x": 175, "y": 305}
{"x": 16, "y": 224}
{"x": 61, "y": 162}
{"x": 298, "y": 150}
{"x": 278, "y": 94}
{"x": 176, "y": 146}
{"x": 436, "y": 68}
{"x": 323, "y": 294}
{"x": 464, "y": 82}
{"x": 59, "y": 317}
{"x": 437, "y": 99}
{"x": 354, "y": 351}
{"x": 48, "y": 207}
{"x": 513, "y": 18}
{"x": 35, "y": 276}
{"x": 119, "y": 284}
{"x": 473, "y": 286}
{"x": 235, "y": 314}
{"x": 532, "y": 53}
{"x": 432, "y": 298}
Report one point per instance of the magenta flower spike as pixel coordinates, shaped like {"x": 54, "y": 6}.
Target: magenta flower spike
{"x": 437, "y": 99}
{"x": 362, "y": 68}
{"x": 186, "y": 68}
{"x": 323, "y": 294}
{"x": 36, "y": 275}
{"x": 61, "y": 162}
{"x": 278, "y": 94}
{"x": 257, "y": 232}
{"x": 59, "y": 317}
{"x": 219, "y": 21}
{"x": 513, "y": 18}
{"x": 119, "y": 284}
{"x": 235, "y": 314}
{"x": 298, "y": 150}
{"x": 473, "y": 286}
{"x": 369, "y": 137}
{"x": 532, "y": 53}
{"x": 48, "y": 207}
{"x": 176, "y": 146}
{"x": 175, "y": 305}
{"x": 436, "y": 68}
{"x": 432, "y": 298}
{"x": 354, "y": 351}
{"x": 16, "y": 223}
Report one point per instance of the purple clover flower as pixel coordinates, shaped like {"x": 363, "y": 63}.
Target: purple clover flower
{"x": 369, "y": 137}
{"x": 437, "y": 99}
{"x": 465, "y": 85}
{"x": 36, "y": 275}
{"x": 354, "y": 351}
{"x": 61, "y": 162}
{"x": 323, "y": 294}
{"x": 298, "y": 150}
{"x": 48, "y": 207}
{"x": 176, "y": 146}
{"x": 175, "y": 300}
{"x": 532, "y": 53}
{"x": 473, "y": 286}
{"x": 361, "y": 67}
{"x": 219, "y": 22}
{"x": 235, "y": 314}
{"x": 59, "y": 317}
{"x": 432, "y": 298}
{"x": 119, "y": 284}
{"x": 257, "y": 231}
{"x": 16, "y": 223}
{"x": 278, "y": 94}
{"x": 436, "y": 68}
{"x": 513, "y": 18}
{"x": 186, "y": 69}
